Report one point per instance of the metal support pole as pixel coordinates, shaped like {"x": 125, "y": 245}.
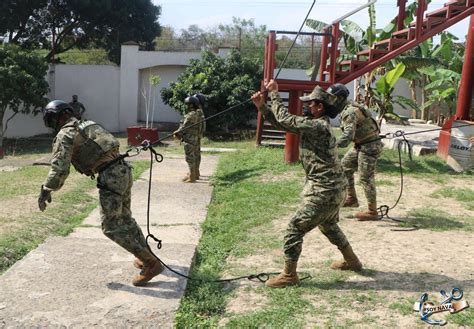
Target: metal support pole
{"x": 463, "y": 107}
{"x": 401, "y": 14}
{"x": 292, "y": 141}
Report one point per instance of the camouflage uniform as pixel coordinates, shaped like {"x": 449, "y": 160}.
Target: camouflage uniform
{"x": 359, "y": 127}
{"x": 325, "y": 187}
{"x": 114, "y": 182}
{"x": 191, "y": 138}
{"x": 78, "y": 109}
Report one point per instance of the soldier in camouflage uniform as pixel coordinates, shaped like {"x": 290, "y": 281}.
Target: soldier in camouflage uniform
{"x": 359, "y": 127}
{"x": 94, "y": 151}
{"x": 325, "y": 187}
{"x": 190, "y": 132}
{"x": 78, "y": 108}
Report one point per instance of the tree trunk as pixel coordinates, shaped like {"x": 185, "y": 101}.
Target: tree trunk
{"x": 414, "y": 113}
{"x": 2, "y": 114}
{"x": 426, "y": 112}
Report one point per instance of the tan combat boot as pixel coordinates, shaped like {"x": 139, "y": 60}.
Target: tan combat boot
{"x": 288, "y": 277}
{"x": 198, "y": 174}
{"x": 351, "y": 200}
{"x": 370, "y": 214}
{"x": 191, "y": 178}
{"x": 350, "y": 261}
{"x": 185, "y": 178}
{"x": 151, "y": 267}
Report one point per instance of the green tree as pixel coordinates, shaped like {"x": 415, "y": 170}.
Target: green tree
{"x": 60, "y": 25}
{"x": 22, "y": 83}
{"x": 423, "y": 61}
{"x": 224, "y": 81}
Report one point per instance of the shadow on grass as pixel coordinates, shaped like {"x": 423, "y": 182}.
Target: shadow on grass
{"x": 436, "y": 220}
{"x": 237, "y": 176}
{"x": 33, "y": 145}
{"x": 398, "y": 281}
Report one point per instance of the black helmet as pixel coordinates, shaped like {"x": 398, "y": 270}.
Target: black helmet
{"x": 201, "y": 98}
{"x": 53, "y": 110}
{"x": 338, "y": 89}
{"x": 193, "y": 100}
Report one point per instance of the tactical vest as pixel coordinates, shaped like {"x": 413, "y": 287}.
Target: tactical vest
{"x": 97, "y": 142}
{"x": 367, "y": 128}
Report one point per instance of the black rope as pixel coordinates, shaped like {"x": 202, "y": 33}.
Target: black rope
{"x": 262, "y": 277}
{"x": 384, "y": 209}
{"x": 147, "y": 145}
{"x": 157, "y": 142}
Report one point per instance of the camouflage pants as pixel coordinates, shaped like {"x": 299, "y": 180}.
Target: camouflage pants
{"x": 192, "y": 155}
{"x": 364, "y": 160}
{"x": 319, "y": 209}
{"x": 115, "y": 184}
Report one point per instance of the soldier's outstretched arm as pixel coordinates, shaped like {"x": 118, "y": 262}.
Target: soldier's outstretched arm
{"x": 60, "y": 164}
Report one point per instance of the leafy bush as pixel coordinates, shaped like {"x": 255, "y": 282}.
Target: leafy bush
{"x": 225, "y": 82}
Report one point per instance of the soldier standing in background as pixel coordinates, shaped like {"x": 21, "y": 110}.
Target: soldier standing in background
{"x": 358, "y": 126}
{"x": 92, "y": 150}
{"x": 325, "y": 186}
{"x": 190, "y": 133}
{"x": 78, "y": 108}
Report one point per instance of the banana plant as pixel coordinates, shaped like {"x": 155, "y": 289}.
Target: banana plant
{"x": 442, "y": 90}
{"x": 382, "y": 98}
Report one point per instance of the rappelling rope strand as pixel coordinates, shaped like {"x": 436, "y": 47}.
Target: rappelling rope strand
{"x": 247, "y": 100}
{"x": 146, "y": 145}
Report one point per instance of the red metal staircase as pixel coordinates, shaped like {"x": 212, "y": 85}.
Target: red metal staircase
{"x": 332, "y": 70}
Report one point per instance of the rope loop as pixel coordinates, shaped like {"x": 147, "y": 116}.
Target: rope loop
{"x": 158, "y": 245}
{"x": 383, "y": 211}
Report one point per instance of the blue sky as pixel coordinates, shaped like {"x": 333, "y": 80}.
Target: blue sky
{"x": 279, "y": 14}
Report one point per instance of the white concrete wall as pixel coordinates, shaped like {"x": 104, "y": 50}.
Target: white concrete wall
{"x": 163, "y": 112}
{"x": 112, "y": 95}
{"x": 97, "y": 87}
{"x": 132, "y": 61}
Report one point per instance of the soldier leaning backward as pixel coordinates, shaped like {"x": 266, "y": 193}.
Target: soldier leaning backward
{"x": 325, "y": 187}
{"x": 359, "y": 127}
{"x": 93, "y": 150}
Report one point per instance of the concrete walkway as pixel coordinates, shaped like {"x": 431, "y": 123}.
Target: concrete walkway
{"x": 83, "y": 280}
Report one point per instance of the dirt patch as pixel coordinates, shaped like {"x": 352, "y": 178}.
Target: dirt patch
{"x": 289, "y": 175}
{"x": 8, "y": 168}
{"x": 399, "y": 266}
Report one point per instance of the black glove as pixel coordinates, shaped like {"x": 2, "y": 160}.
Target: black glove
{"x": 44, "y": 196}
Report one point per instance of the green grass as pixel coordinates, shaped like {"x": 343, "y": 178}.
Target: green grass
{"x": 240, "y": 205}
{"x": 429, "y": 166}
{"x": 463, "y": 195}
{"x": 464, "y": 318}
{"x": 68, "y": 209}
{"x": 25, "y": 180}
{"x": 27, "y": 147}
{"x": 403, "y": 306}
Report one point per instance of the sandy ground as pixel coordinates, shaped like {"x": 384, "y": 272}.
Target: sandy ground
{"x": 399, "y": 265}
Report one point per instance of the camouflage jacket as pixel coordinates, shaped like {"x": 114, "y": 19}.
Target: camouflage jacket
{"x": 69, "y": 146}
{"x": 318, "y": 151}
{"x": 78, "y": 109}
{"x": 357, "y": 125}
{"x": 194, "y": 134}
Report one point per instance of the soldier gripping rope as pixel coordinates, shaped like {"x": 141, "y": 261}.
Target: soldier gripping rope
{"x": 190, "y": 132}
{"x": 358, "y": 126}
{"x": 92, "y": 150}
{"x": 325, "y": 187}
